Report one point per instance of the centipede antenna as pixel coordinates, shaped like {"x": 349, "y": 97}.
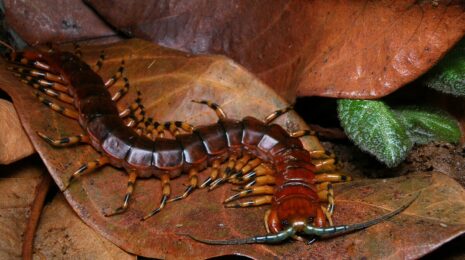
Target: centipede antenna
{"x": 336, "y": 230}
{"x": 266, "y": 239}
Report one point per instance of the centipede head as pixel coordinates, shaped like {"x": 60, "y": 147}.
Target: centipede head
{"x": 295, "y": 209}
{"x": 298, "y": 226}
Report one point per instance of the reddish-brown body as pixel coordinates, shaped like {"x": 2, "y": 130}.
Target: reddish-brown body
{"x": 295, "y": 196}
{"x": 296, "y": 191}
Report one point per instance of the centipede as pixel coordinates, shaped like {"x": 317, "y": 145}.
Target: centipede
{"x": 268, "y": 164}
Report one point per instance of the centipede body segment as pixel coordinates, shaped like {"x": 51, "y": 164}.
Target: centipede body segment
{"x": 270, "y": 165}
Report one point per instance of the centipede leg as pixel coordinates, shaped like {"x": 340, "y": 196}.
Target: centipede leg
{"x": 331, "y": 177}
{"x": 130, "y": 189}
{"x": 98, "y": 65}
{"x": 261, "y": 180}
{"x": 174, "y": 127}
{"x": 240, "y": 164}
{"x": 252, "y": 164}
{"x": 324, "y": 165}
{"x": 88, "y": 167}
{"x": 21, "y": 59}
{"x": 60, "y": 109}
{"x": 260, "y": 190}
{"x": 193, "y": 182}
{"x": 270, "y": 118}
{"x": 122, "y": 91}
{"x": 301, "y": 133}
{"x": 261, "y": 170}
{"x": 265, "y": 218}
{"x": 37, "y": 83}
{"x": 317, "y": 154}
{"x": 326, "y": 194}
{"x": 113, "y": 79}
{"x": 65, "y": 141}
{"x": 328, "y": 215}
{"x": 224, "y": 174}
{"x": 213, "y": 173}
{"x": 218, "y": 110}
{"x": 166, "y": 191}
{"x": 263, "y": 200}
{"x": 131, "y": 108}
{"x": 48, "y": 91}
{"x": 37, "y": 73}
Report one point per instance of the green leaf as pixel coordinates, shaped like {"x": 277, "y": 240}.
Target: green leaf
{"x": 449, "y": 74}
{"x": 427, "y": 124}
{"x": 375, "y": 129}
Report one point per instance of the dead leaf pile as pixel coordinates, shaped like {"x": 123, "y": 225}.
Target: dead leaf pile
{"x": 355, "y": 49}
{"x": 60, "y": 234}
{"x": 168, "y": 80}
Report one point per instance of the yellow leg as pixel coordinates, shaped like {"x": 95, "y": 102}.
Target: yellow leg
{"x": 98, "y": 65}
{"x": 331, "y": 177}
{"x": 122, "y": 91}
{"x": 261, "y": 180}
{"x": 326, "y": 194}
{"x": 193, "y": 182}
{"x": 277, "y": 114}
{"x": 259, "y": 190}
{"x": 218, "y": 110}
{"x": 60, "y": 109}
{"x": 113, "y": 79}
{"x": 130, "y": 189}
{"x": 263, "y": 200}
{"x": 166, "y": 191}
{"x": 88, "y": 167}
{"x": 66, "y": 141}
{"x": 213, "y": 173}
{"x": 225, "y": 173}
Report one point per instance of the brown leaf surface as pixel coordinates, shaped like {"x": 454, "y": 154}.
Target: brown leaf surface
{"x": 352, "y": 49}
{"x": 355, "y": 49}
{"x": 168, "y": 80}
{"x": 17, "y": 184}
{"x": 14, "y": 143}
{"x": 54, "y": 21}
{"x": 60, "y": 234}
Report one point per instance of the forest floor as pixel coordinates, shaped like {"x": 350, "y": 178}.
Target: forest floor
{"x": 434, "y": 157}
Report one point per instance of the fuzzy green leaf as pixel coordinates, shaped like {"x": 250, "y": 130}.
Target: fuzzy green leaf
{"x": 375, "y": 129}
{"x": 425, "y": 124}
{"x": 449, "y": 74}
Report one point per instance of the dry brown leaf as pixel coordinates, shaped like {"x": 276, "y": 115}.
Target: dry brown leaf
{"x": 349, "y": 49}
{"x": 61, "y": 234}
{"x": 17, "y": 185}
{"x": 354, "y": 49}
{"x": 14, "y": 143}
{"x": 168, "y": 80}
{"x": 54, "y": 21}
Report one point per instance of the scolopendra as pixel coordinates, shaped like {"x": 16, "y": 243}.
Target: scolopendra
{"x": 271, "y": 163}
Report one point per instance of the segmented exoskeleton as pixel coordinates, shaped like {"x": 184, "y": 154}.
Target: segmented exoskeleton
{"x": 271, "y": 164}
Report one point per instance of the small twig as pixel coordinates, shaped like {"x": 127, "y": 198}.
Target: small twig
{"x": 36, "y": 210}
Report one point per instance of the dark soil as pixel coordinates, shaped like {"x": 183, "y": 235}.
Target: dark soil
{"x": 438, "y": 157}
